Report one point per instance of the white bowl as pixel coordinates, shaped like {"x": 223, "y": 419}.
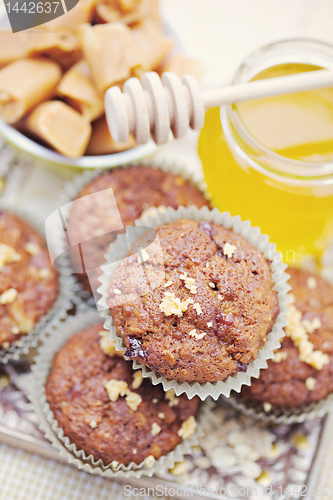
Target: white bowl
{"x": 32, "y": 150}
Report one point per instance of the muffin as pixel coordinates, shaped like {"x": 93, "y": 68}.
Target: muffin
{"x": 302, "y": 370}
{"x": 196, "y": 305}
{"x": 107, "y": 409}
{"x": 28, "y": 283}
{"x": 135, "y": 189}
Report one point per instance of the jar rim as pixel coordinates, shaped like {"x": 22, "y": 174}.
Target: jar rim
{"x": 292, "y": 50}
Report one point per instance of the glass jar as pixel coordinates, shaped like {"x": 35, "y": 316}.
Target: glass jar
{"x": 271, "y": 160}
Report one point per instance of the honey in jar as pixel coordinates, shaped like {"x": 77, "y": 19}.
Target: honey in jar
{"x": 271, "y": 160}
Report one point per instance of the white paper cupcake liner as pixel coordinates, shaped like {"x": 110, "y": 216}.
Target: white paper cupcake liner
{"x": 72, "y": 189}
{"x": 58, "y": 311}
{"x": 282, "y": 415}
{"x": 280, "y": 278}
{"x": 41, "y": 369}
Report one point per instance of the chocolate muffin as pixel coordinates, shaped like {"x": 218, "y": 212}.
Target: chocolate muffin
{"x": 107, "y": 409}
{"x": 302, "y": 370}
{"x": 135, "y": 189}
{"x": 28, "y": 283}
{"x": 198, "y": 306}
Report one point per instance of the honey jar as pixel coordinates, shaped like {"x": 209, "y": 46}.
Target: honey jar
{"x": 271, "y": 160}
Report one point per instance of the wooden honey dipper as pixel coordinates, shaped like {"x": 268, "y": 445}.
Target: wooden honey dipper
{"x": 155, "y": 105}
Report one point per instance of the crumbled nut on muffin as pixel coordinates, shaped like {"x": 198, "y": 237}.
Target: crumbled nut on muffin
{"x": 167, "y": 330}
{"x": 188, "y": 427}
{"x": 128, "y": 427}
{"x": 302, "y": 369}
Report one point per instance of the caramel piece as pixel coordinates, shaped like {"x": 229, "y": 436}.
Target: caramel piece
{"x": 61, "y": 46}
{"x": 82, "y": 13}
{"x": 101, "y": 142}
{"x": 152, "y": 42}
{"x": 24, "y": 84}
{"x": 60, "y": 126}
{"x": 111, "y": 51}
{"x": 183, "y": 65}
{"x": 79, "y": 92}
{"x": 12, "y": 47}
{"x": 126, "y": 12}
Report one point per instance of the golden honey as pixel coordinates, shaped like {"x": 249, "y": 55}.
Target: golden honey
{"x": 271, "y": 160}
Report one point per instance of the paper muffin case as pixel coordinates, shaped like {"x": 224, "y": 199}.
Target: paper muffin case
{"x": 72, "y": 189}
{"x": 41, "y": 369}
{"x": 58, "y": 311}
{"x": 280, "y": 278}
{"x": 282, "y": 415}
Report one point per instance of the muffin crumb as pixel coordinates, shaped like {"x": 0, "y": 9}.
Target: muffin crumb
{"x": 212, "y": 285}
{"x": 149, "y": 461}
{"x": 188, "y": 427}
{"x": 229, "y": 250}
{"x": 116, "y": 291}
{"x": 93, "y": 424}
{"x": 168, "y": 283}
{"x": 15, "y": 330}
{"x": 210, "y": 324}
{"x": 161, "y": 416}
{"x": 311, "y": 326}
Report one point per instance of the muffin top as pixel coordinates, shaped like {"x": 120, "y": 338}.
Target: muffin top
{"x": 302, "y": 370}
{"x": 28, "y": 283}
{"x": 200, "y": 305}
{"x": 135, "y": 189}
{"x": 107, "y": 409}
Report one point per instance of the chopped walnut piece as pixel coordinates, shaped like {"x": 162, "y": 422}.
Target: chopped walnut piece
{"x": 197, "y": 307}
{"x": 133, "y": 400}
{"x": 168, "y": 283}
{"x": 8, "y": 255}
{"x": 190, "y": 283}
{"x": 229, "y": 250}
{"x": 267, "y": 407}
{"x": 143, "y": 256}
{"x": 210, "y": 324}
{"x": 296, "y": 330}
{"x": 108, "y": 346}
{"x": 15, "y": 330}
{"x": 137, "y": 379}
{"x": 116, "y": 291}
{"x": 280, "y": 356}
{"x": 311, "y": 326}
{"x": 161, "y": 415}
{"x": 173, "y": 305}
{"x": 211, "y": 284}
{"x": 180, "y": 468}
{"x": 149, "y": 461}
{"x": 197, "y": 336}
{"x": 155, "y": 429}
{"x": 188, "y": 427}
{"x": 171, "y": 397}
{"x": 32, "y": 248}
{"x": 310, "y": 383}
{"x": 311, "y": 283}
{"x": 115, "y": 388}
{"x": 8, "y": 296}
{"x": 6, "y": 345}
{"x": 44, "y": 273}
{"x": 93, "y": 424}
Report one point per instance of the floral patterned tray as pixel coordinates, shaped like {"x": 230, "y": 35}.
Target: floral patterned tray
{"x": 237, "y": 457}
